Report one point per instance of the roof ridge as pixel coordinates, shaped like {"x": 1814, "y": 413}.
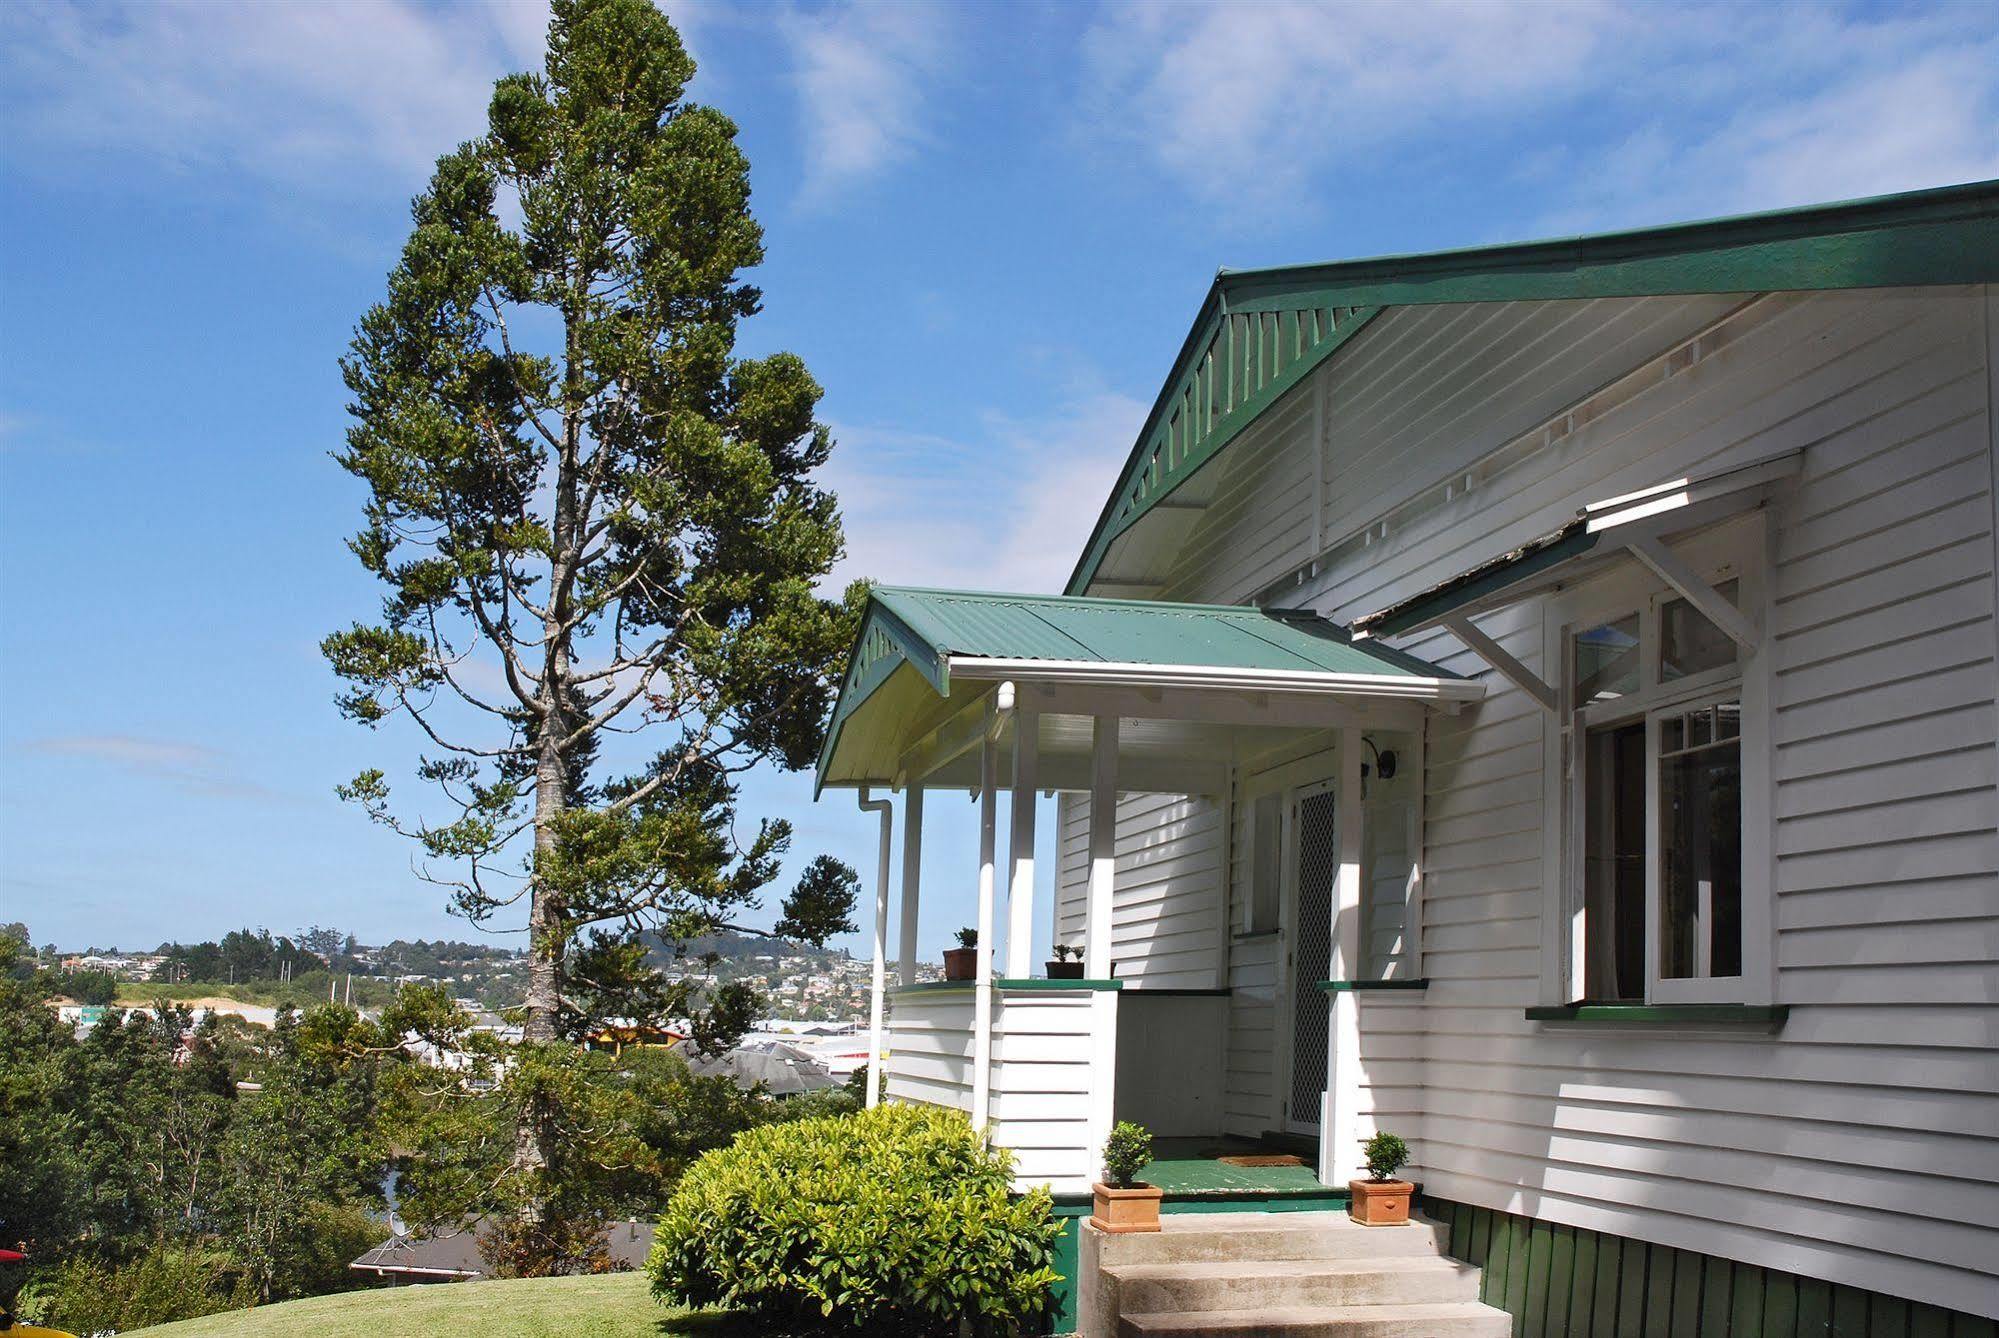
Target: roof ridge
{"x": 1926, "y": 195}
{"x": 1239, "y": 610}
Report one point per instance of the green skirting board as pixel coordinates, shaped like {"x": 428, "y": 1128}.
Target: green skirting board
{"x": 1566, "y": 1282}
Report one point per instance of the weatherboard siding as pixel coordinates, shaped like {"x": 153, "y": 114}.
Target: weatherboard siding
{"x": 1862, "y": 1142}
{"x": 1044, "y": 1071}
{"x": 1166, "y": 911}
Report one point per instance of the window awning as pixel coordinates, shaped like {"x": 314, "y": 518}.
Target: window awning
{"x": 1600, "y": 532}
{"x": 924, "y": 657}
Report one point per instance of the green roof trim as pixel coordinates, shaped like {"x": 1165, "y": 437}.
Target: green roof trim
{"x": 1488, "y": 578}
{"x": 1008, "y": 985}
{"x": 925, "y": 629}
{"x": 1255, "y": 336}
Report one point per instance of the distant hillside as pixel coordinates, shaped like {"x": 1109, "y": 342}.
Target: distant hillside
{"x": 731, "y": 946}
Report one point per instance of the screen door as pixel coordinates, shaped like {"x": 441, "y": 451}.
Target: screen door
{"x": 1318, "y": 869}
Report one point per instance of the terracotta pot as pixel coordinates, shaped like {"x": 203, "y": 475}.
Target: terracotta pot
{"x": 1379, "y": 1202}
{"x": 1122, "y": 1210}
{"x": 960, "y": 963}
{"x": 1065, "y": 970}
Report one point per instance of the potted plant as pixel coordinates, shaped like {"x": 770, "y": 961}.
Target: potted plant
{"x": 1068, "y": 963}
{"x": 962, "y": 962}
{"x": 1123, "y": 1204}
{"x": 1381, "y": 1199}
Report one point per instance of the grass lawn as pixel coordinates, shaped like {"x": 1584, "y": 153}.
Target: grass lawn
{"x": 613, "y": 1305}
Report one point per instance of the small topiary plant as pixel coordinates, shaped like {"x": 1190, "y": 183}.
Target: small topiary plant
{"x": 1126, "y": 1153}
{"x": 968, "y": 938}
{"x": 1385, "y": 1154}
{"x": 898, "y": 1220}
{"x": 1068, "y": 952}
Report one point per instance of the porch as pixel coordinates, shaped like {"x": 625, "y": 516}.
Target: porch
{"x": 1103, "y": 701}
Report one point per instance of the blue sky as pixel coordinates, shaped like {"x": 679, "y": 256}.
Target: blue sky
{"x": 988, "y": 227}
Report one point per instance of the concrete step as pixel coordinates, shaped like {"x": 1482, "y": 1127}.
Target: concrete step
{"x": 1442, "y": 1319}
{"x": 1219, "y": 1237}
{"x": 1289, "y": 1283}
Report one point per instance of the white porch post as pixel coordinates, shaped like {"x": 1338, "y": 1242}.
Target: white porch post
{"x": 1020, "y": 883}
{"x": 878, "y": 977}
{"x": 982, "y": 988}
{"x": 1097, "y": 932}
{"x": 1103, "y": 846}
{"x": 1338, "y": 1124}
{"x": 912, "y": 879}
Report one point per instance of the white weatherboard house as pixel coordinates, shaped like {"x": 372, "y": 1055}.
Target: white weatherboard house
{"x": 1539, "y": 700}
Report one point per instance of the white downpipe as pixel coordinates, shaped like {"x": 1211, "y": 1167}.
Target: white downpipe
{"x": 912, "y": 879}
{"x": 1020, "y": 880}
{"x": 982, "y": 989}
{"x": 878, "y": 980}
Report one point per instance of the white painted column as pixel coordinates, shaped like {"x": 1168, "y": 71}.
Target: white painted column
{"x": 878, "y": 977}
{"x": 1020, "y": 882}
{"x": 912, "y": 879}
{"x": 1338, "y": 1151}
{"x": 1097, "y": 933}
{"x": 1103, "y": 847}
{"x": 982, "y": 989}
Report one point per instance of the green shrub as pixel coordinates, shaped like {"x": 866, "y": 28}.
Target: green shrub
{"x": 898, "y": 1220}
{"x": 167, "y": 1281}
{"x": 1385, "y": 1154}
{"x": 1126, "y": 1153}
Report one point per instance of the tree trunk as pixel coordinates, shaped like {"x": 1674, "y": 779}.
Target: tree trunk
{"x": 534, "y": 1141}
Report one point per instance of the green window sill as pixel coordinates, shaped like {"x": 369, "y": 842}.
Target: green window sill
{"x": 1017, "y": 985}
{"x": 1748, "y": 1017}
{"x": 1011, "y": 985}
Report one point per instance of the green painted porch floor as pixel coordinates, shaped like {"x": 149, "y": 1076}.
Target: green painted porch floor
{"x": 1187, "y": 1167}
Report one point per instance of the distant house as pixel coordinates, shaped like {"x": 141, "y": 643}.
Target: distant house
{"x": 454, "y": 1256}
{"x": 618, "y": 1033}
{"x": 1538, "y": 700}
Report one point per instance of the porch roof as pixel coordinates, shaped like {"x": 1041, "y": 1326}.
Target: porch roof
{"x": 923, "y": 655}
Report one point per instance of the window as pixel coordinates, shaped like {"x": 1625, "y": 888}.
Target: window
{"x": 1266, "y": 864}
{"x": 1700, "y": 842}
{"x": 1653, "y": 797}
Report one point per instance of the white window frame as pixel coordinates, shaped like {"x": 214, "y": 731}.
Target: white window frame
{"x": 1738, "y": 551}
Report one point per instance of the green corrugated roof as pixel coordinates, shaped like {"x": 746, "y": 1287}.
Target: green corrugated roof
{"x": 1132, "y": 631}
{"x": 925, "y": 629}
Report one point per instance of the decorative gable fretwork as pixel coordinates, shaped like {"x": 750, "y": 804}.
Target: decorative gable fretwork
{"x": 1240, "y": 362}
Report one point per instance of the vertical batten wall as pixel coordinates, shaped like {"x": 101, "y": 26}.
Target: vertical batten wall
{"x": 1863, "y": 1141}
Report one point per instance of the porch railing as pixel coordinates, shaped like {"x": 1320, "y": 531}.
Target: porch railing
{"x": 1053, "y": 1064}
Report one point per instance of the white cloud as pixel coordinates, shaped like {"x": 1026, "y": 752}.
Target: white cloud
{"x": 1009, "y": 509}
{"x": 293, "y": 92}
{"x": 190, "y": 766}
{"x": 1644, "y": 112}
{"x": 305, "y": 95}
{"x": 1238, "y": 99}
{"x": 862, "y": 73}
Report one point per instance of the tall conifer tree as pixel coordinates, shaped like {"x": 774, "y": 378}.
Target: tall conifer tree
{"x": 594, "y": 519}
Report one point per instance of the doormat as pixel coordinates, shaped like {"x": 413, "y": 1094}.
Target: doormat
{"x": 1261, "y": 1159}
